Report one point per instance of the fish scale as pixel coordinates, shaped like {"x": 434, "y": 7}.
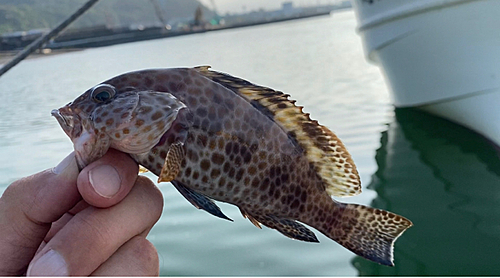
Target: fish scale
{"x": 218, "y": 137}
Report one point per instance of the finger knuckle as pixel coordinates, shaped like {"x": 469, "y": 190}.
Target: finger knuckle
{"x": 145, "y": 255}
{"x": 152, "y": 194}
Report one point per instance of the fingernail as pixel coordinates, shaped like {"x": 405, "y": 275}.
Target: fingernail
{"x": 105, "y": 180}
{"x": 50, "y": 264}
{"x": 66, "y": 165}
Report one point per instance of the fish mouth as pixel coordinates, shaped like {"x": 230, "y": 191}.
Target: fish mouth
{"x": 67, "y": 120}
{"x": 61, "y": 118}
{"x": 83, "y": 140}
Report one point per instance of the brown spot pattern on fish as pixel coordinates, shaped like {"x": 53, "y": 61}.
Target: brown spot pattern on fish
{"x": 322, "y": 147}
{"x": 217, "y": 136}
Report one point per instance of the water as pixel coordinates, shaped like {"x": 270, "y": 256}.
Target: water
{"x": 442, "y": 177}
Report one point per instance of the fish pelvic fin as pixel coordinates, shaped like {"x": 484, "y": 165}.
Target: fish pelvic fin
{"x": 322, "y": 147}
{"x": 200, "y": 201}
{"x": 368, "y": 232}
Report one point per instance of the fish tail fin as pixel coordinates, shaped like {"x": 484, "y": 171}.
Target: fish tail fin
{"x": 368, "y": 232}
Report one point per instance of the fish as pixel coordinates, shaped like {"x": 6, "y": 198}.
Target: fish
{"x": 216, "y": 137}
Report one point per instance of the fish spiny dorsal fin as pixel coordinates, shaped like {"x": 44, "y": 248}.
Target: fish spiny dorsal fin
{"x": 323, "y": 148}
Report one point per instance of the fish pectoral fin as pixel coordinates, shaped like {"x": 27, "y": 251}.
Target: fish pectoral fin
{"x": 287, "y": 227}
{"x": 142, "y": 169}
{"x": 173, "y": 161}
{"x": 253, "y": 220}
{"x": 200, "y": 201}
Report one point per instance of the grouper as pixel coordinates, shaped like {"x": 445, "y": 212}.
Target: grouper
{"x": 218, "y": 137}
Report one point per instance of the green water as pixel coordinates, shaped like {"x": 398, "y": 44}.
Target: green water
{"x": 446, "y": 180}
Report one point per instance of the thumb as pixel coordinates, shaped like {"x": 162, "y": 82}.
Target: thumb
{"x": 27, "y": 209}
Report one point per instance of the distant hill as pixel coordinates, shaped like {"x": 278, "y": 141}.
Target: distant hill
{"x": 19, "y": 15}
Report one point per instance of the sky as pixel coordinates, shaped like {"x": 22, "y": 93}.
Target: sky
{"x": 239, "y": 6}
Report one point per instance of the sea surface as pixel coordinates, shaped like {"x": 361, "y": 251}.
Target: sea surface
{"x": 444, "y": 178}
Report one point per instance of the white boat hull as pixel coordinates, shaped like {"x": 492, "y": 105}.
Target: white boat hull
{"x": 480, "y": 113}
{"x": 439, "y": 55}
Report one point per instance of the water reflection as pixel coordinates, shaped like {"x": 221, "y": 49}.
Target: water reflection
{"x": 446, "y": 179}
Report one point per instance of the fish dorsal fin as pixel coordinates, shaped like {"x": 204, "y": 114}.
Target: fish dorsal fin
{"x": 323, "y": 148}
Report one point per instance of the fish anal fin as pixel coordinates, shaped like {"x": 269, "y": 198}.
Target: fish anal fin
{"x": 172, "y": 164}
{"x": 322, "y": 147}
{"x": 287, "y": 227}
{"x": 249, "y": 217}
{"x": 368, "y": 232}
{"x": 200, "y": 201}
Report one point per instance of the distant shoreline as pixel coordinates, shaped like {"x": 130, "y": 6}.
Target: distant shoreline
{"x": 81, "y": 44}
{"x": 159, "y": 33}
{"x": 6, "y": 56}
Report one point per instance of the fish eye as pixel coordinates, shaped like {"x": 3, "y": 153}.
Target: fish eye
{"x": 103, "y": 93}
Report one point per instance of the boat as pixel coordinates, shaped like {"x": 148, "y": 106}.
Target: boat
{"x": 440, "y": 56}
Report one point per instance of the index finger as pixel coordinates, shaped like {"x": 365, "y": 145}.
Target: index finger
{"x": 27, "y": 209}
{"x": 30, "y": 205}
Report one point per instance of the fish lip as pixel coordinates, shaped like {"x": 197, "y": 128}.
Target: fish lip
{"x": 68, "y": 120}
{"x": 55, "y": 113}
{"x": 63, "y": 117}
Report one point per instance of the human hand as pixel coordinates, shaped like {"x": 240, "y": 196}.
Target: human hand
{"x": 45, "y": 224}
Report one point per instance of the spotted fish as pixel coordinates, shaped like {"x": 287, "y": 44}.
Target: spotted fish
{"x": 218, "y": 137}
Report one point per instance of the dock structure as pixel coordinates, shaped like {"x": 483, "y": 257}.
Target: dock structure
{"x": 38, "y": 43}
